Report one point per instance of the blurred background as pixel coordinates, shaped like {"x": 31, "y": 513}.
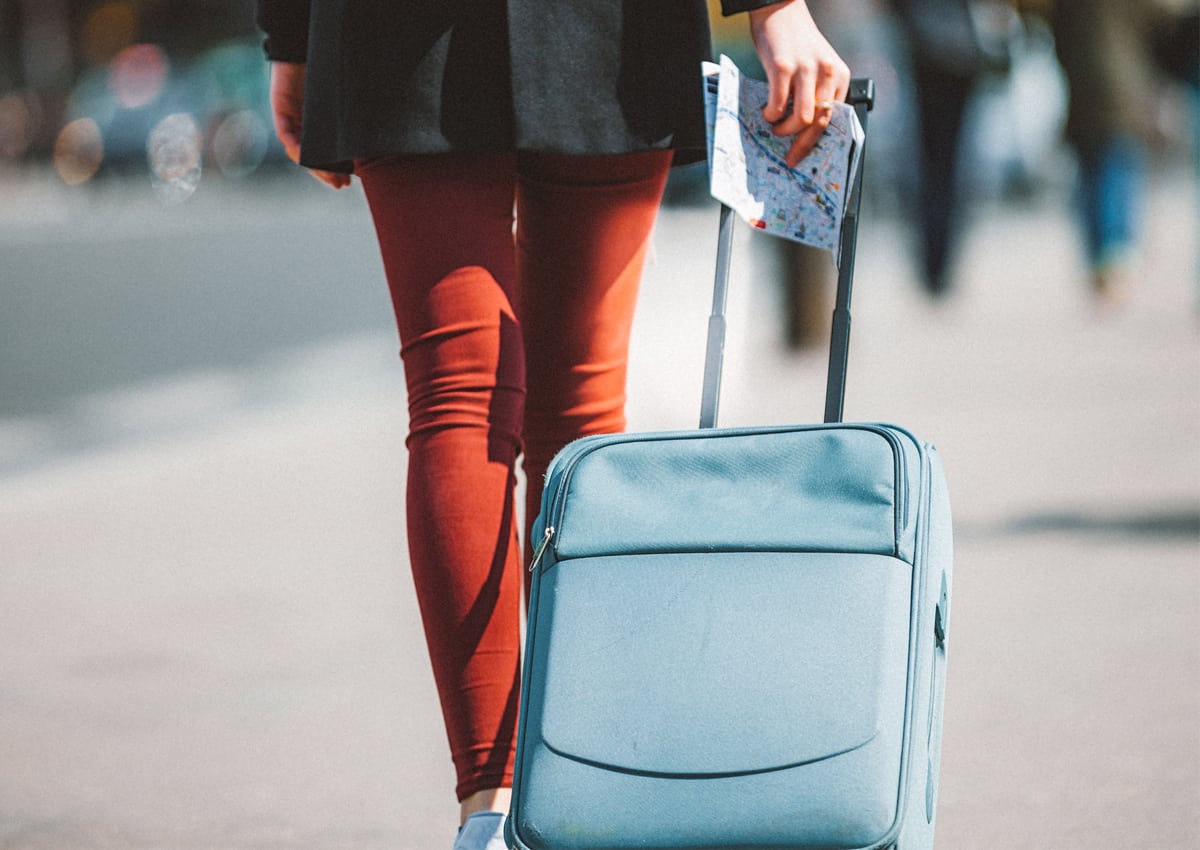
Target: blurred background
{"x": 116, "y": 106}
{"x": 208, "y": 635}
{"x": 133, "y": 86}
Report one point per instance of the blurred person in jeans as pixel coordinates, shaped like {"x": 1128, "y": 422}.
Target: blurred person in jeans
{"x": 1104, "y": 47}
{"x": 514, "y": 339}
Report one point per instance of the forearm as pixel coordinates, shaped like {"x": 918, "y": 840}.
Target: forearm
{"x": 285, "y": 23}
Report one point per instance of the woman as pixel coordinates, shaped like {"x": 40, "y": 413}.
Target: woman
{"x": 457, "y": 116}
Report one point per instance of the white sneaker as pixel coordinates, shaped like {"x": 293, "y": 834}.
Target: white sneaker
{"x": 482, "y": 831}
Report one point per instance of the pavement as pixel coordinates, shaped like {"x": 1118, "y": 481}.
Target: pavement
{"x": 210, "y": 640}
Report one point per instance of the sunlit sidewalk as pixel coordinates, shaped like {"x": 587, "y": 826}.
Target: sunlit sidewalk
{"x": 210, "y": 639}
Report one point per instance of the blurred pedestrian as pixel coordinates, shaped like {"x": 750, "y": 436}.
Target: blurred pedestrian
{"x": 1104, "y": 47}
{"x": 452, "y": 114}
{"x": 952, "y": 45}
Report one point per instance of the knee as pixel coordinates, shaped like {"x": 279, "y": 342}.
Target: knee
{"x": 463, "y": 357}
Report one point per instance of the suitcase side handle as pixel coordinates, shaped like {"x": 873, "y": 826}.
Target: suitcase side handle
{"x": 862, "y": 97}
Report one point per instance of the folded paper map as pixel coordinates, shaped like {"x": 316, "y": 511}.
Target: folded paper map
{"x": 748, "y": 171}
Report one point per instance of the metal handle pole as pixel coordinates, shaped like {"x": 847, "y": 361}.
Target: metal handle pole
{"x": 714, "y": 354}
{"x": 862, "y": 98}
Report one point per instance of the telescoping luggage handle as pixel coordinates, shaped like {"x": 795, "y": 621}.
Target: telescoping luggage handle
{"x": 862, "y": 97}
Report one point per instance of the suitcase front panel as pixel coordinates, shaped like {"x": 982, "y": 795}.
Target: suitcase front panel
{"x": 694, "y": 665}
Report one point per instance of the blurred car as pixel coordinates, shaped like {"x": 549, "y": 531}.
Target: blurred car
{"x": 149, "y": 109}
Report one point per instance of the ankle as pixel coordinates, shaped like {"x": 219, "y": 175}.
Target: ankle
{"x": 487, "y": 800}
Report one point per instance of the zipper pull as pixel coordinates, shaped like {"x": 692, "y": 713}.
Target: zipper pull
{"x": 541, "y": 548}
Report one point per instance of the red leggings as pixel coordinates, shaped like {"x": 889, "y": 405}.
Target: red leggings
{"x": 509, "y": 344}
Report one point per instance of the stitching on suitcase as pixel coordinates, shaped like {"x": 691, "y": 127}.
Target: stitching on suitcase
{"x": 663, "y": 774}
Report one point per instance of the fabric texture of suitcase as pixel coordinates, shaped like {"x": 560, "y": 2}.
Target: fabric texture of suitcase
{"x": 736, "y": 639}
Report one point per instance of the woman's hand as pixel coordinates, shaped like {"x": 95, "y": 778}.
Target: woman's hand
{"x": 803, "y": 70}
{"x": 287, "y": 107}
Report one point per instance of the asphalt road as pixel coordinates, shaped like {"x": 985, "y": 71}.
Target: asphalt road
{"x": 209, "y": 638}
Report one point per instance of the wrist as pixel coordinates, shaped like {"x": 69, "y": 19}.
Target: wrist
{"x": 766, "y": 10}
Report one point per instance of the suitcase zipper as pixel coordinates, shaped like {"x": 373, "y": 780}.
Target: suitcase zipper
{"x": 901, "y": 477}
{"x": 541, "y": 548}
{"x": 567, "y": 460}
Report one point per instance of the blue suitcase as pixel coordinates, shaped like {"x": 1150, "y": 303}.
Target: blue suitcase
{"x": 737, "y": 637}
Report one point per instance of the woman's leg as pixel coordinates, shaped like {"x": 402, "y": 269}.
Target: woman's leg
{"x": 445, "y": 233}
{"x": 444, "y": 225}
{"x": 583, "y": 227}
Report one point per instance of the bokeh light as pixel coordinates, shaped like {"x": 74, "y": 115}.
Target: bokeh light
{"x": 78, "y": 151}
{"x": 173, "y": 151}
{"x": 138, "y": 74}
{"x": 19, "y": 118}
{"x": 239, "y": 143}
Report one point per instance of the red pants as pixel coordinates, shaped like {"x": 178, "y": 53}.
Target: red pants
{"x": 509, "y": 344}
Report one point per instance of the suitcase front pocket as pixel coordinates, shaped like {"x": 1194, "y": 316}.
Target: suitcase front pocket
{"x": 776, "y": 677}
{"x": 804, "y": 488}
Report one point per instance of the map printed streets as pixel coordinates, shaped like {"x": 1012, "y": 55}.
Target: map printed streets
{"x": 748, "y": 171}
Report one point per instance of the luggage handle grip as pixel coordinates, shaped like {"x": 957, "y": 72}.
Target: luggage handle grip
{"x": 862, "y": 97}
